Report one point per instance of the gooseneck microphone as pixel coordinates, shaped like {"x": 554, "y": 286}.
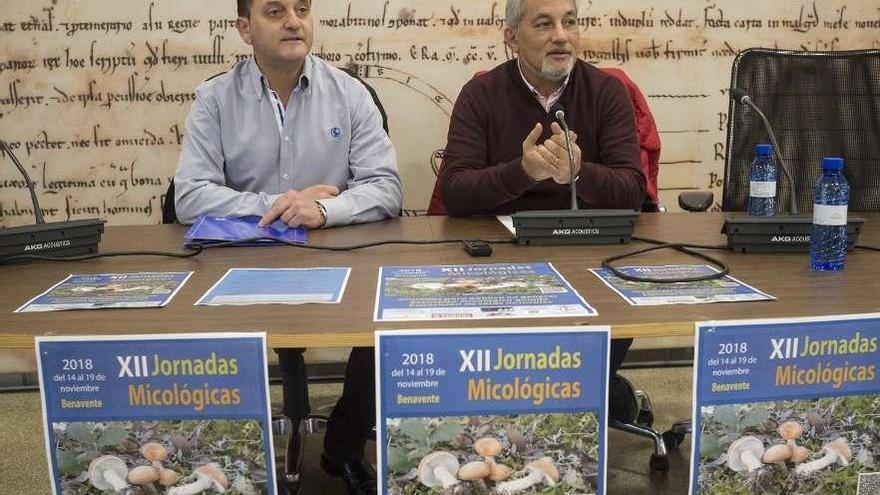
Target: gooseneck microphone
{"x": 27, "y": 178}
{"x": 777, "y": 233}
{"x": 573, "y": 226}
{"x": 739, "y": 95}
{"x": 56, "y": 239}
{"x": 560, "y": 116}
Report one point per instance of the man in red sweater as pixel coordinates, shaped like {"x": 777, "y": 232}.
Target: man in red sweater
{"x": 505, "y": 152}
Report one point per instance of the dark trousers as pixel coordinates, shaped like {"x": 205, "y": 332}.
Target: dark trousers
{"x": 353, "y": 418}
{"x": 619, "y": 348}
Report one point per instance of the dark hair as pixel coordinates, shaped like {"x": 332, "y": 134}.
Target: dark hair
{"x": 244, "y": 8}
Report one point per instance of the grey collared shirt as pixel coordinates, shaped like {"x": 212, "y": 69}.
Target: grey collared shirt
{"x": 235, "y": 162}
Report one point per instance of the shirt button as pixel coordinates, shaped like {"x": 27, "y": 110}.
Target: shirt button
{"x": 286, "y": 138}
{"x": 286, "y": 176}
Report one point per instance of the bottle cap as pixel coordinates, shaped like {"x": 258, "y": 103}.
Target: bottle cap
{"x": 832, "y": 164}
{"x": 763, "y": 150}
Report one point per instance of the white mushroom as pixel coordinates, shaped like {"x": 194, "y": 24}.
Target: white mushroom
{"x": 790, "y": 431}
{"x": 108, "y": 473}
{"x": 744, "y": 455}
{"x": 800, "y": 454}
{"x": 209, "y": 476}
{"x": 500, "y": 472}
{"x": 836, "y": 451}
{"x": 474, "y": 471}
{"x": 168, "y": 477}
{"x": 539, "y": 471}
{"x": 439, "y": 469}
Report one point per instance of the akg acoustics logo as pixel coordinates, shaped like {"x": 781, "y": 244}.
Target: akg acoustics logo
{"x": 335, "y": 133}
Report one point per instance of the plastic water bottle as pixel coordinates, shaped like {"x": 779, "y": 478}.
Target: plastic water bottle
{"x": 762, "y": 183}
{"x": 830, "y": 201}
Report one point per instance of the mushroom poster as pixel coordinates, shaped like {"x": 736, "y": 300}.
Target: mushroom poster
{"x": 516, "y": 411}
{"x": 177, "y": 414}
{"x": 787, "y": 406}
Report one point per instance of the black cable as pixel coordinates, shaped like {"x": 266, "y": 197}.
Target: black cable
{"x": 867, "y": 248}
{"x": 683, "y": 248}
{"x": 352, "y": 247}
{"x": 720, "y": 247}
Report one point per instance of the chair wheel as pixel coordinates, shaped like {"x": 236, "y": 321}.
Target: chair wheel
{"x": 659, "y": 463}
{"x": 672, "y": 439}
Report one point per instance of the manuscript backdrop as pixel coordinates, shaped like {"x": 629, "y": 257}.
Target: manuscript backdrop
{"x": 93, "y": 94}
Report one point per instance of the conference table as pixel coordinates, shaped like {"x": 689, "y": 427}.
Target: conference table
{"x": 799, "y": 291}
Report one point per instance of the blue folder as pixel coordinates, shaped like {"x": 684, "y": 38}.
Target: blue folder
{"x": 213, "y": 230}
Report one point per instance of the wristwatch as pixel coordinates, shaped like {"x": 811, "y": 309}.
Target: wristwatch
{"x": 322, "y": 210}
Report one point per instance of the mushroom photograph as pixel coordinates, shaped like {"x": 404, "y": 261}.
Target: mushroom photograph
{"x": 527, "y": 454}
{"x": 800, "y": 447}
{"x": 500, "y": 284}
{"x": 161, "y": 457}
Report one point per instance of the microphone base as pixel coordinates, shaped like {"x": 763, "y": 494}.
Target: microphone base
{"x": 56, "y": 239}
{"x": 554, "y": 227}
{"x": 779, "y": 233}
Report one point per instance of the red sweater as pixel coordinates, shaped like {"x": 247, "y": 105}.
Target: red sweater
{"x": 482, "y": 171}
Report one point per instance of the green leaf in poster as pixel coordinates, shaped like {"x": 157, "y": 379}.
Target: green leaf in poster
{"x": 112, "y": 436}
{"x": 399, "y": 462}
{"x": 80, "y": 433}
{"x": 726, "y": 415}
{"x": 755, "y": 417}
{"x": 710, "y": 446}
{"x": 68, "y": 464}
{"x": 414, "y": 429}
{"x": 447, "y": 432}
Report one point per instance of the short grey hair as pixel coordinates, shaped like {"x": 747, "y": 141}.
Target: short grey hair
{"x": 515, "y": 9}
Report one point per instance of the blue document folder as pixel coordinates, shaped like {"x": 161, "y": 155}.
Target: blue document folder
{"x": 212, "y": 230}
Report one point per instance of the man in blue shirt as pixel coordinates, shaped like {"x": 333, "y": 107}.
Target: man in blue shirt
{"x": 285, "y": 136}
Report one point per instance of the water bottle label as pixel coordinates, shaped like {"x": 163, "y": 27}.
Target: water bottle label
{"x": 762, "y": 189}
{"x": 829, "y": 214}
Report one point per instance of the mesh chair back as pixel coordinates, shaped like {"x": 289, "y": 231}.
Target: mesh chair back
{"x": 820, "y": 104}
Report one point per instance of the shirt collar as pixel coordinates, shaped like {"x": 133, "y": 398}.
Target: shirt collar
{"x": 261, "y": 86}
{"x": 549, "y": 101}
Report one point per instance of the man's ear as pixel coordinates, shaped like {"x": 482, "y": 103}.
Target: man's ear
{"x": 244, "y": 29}
{"x": 510, "y": 39}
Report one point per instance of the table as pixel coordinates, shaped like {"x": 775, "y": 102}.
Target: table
{"x": 800, "y": 292}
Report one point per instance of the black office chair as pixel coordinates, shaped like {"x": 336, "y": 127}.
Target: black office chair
{"x": 820, "y": 104}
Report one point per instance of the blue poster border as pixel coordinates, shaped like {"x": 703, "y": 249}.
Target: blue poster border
{"x": 697, "y": 422}
{"x": 381, "y": 451}
{"x": 265, "y": 420}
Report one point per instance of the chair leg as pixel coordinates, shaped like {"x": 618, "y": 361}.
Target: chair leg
{"x": 287, "y": 470}
{"x": 660, "y": 457}
{"x": 675, "y": 435}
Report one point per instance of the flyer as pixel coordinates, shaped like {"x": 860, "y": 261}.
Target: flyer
{"x": 244, "y": 286}
{"x": 726, "y": 289}
{"x": 516, "y": 410}
{"x": 461, "y": 292}
{"x": 244, "y": 231}
{"x": 109, "y": 290}
{"x": 787, "y": 406}
{"x": 178, "y": 413}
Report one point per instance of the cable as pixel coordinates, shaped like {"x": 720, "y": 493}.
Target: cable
{"x": 684, "y": 248}
{"x": 867, "y": 248}
{"x": 352, "y": 247}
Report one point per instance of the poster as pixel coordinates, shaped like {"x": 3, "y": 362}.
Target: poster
{"x": 515, "y": 410}
{"x": 461, "y": 292}
{"x": 787, "y": 406}
{"x": 245, "y": 286}
{"x": 726, "y": 289}
{"x": 171, "y": 411}
{"x": 109, "y": 290}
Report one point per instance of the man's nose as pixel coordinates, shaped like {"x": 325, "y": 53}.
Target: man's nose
{"x": 560, "y": 35}
{"x": 292, "y": 21}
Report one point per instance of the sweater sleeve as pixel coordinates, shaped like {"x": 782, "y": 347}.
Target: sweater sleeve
{"x": 470, "y": 184}
{"x": 618, "y": 181}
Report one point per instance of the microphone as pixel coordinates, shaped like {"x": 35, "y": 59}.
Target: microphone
{"x": 56, "y": 239}
{"x": 740, "y": 96}
{"x": 573, "y": 226}
{"x": 560, "y": 116}
{"x": 780, "y": 233}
